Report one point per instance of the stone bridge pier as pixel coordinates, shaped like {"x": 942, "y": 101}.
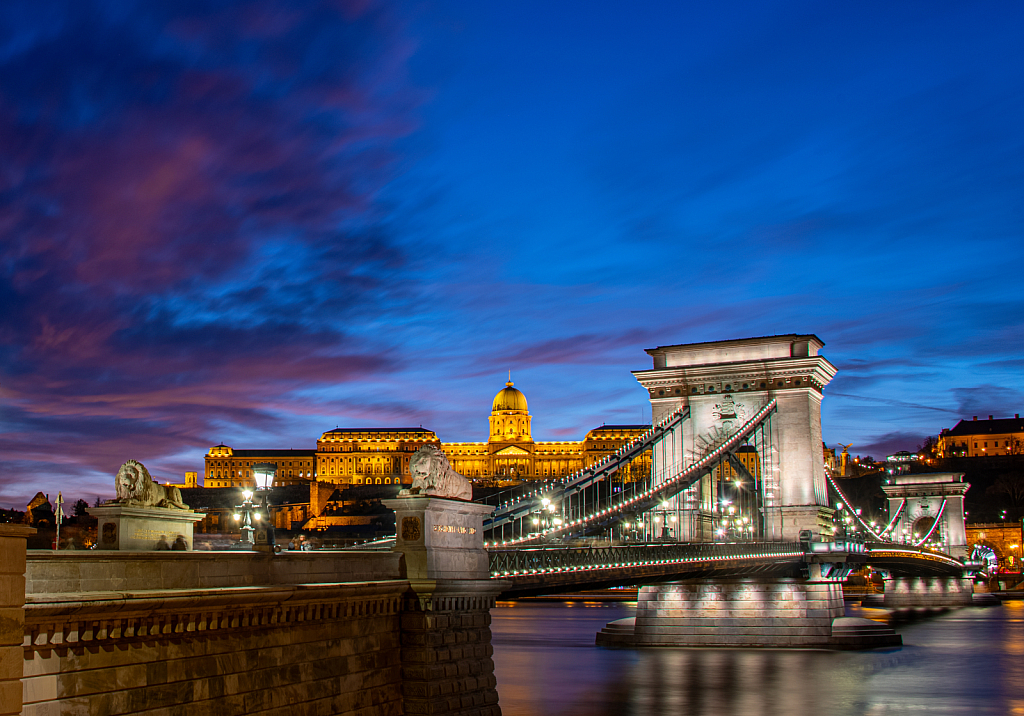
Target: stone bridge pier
{"x": 929, "y": 592}
{"x": 803, "y": 609}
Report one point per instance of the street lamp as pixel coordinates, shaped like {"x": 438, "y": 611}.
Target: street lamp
{"x": 244, "y": 514}
{"x": 263, "y": 473}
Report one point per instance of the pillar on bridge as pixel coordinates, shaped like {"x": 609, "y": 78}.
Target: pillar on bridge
{"x": 446, "y": 637}
{"x": 769, "y": 612}
{"x": 724, "y": 383}
{"x": 904, "y": 592}
{"x": 12, "y": 614}
{"x": 930, "y": 498}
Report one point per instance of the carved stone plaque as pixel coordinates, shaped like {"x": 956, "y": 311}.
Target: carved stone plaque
{"x": 411, "y": 529}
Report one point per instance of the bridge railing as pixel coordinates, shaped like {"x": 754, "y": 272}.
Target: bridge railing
{"x": 541, "y": 560}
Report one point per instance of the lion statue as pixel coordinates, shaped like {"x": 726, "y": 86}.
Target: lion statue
{"x": 433, "y": 475}
{"x": 136, "y": 487}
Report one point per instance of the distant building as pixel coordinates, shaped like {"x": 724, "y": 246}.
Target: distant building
{"x": 39, "y": 512}
{"x": 227, "y": 467}
{"x": 982, "y": 438}
{"x": 191, "y": 480}
{"x": 900, "y": 463}
{"x": 380, "y": 456}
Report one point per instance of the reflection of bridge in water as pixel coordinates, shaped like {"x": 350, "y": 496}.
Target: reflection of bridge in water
{"x": 738, "y": 500}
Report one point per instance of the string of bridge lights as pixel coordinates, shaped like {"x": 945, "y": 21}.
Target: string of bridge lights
{"x": 880, "y": 536}
{"x": 582, "y": 472}
{"x": 696, "y": 467}
{"x": 644, "y": 563}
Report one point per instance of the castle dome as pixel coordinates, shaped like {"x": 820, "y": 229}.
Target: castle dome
{"x": 509, "y": 398}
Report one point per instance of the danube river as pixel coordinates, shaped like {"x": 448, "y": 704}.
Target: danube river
{"x": 968, "y": 661}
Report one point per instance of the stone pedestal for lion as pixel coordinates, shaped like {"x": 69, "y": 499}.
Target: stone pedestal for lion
{"x": 145, "y": 516}
{"x": 440, "y": 538}
{"x": 143, "y": 529}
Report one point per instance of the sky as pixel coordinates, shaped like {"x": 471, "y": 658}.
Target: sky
{"x": 252, "y": 222}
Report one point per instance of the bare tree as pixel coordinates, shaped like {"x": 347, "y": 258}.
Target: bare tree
{"x": 1010, "y": 484}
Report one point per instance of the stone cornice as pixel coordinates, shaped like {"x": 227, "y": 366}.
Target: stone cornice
{"x": 99, "y": 619}
{"x": 760, "y": 376}
{"x": 935, "y": 489}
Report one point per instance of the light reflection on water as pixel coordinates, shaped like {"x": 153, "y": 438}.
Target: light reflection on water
{"x": 967, "y": 661}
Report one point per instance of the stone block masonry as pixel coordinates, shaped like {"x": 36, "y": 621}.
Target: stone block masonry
{"x": 738, "y": 613}
{"x": 12, "y": 614}
{"x": 303, "y": 649}
{"x": 446, "y": 654}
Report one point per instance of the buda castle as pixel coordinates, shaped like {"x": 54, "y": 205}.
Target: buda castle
{"x": 380, "y": 456}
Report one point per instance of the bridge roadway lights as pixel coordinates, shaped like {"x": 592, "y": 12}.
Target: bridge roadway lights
{"x": 767, "y": 612}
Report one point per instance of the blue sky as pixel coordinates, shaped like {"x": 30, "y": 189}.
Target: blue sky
{"x": 252, "y": 222}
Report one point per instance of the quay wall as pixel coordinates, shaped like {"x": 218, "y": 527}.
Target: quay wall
{"x": 303, "y": 633}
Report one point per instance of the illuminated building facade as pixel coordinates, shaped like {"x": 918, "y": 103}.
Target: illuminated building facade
{"x": 227, "y": 467}
{"x": 361, "y": 456}
{"x": 982, "y": 438}
{"x": 366, "y": 456}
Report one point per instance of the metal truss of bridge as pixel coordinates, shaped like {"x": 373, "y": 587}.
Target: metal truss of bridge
{"x": 669, "y": 503}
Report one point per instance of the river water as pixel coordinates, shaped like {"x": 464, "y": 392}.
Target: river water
{"x": 967, "y": 661}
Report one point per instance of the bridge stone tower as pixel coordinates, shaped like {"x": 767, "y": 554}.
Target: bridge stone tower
{"x": 724, "y": 383}
{"x": 930, "y": 498}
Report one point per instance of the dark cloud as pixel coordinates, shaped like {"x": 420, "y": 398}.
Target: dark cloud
{"x": 879, "y": 446}
{"x": 189, "y": 212}
{"x": 984, "y": 400}
{"x": 890, "y": 402}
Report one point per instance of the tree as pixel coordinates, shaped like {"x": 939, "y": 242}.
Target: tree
{"x": 80, "y": 508}
{"x": 1010, "y": 484}
{"x": 928, "y": 447}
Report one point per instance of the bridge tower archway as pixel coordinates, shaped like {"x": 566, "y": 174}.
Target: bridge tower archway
{"x": 725, "y": 382}
{"x": 934, "y": 501}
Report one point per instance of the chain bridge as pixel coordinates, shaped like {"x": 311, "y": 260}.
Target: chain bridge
{"x": 737, "y": 493}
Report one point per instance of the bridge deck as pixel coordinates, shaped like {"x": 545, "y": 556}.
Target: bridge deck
{"x": 532, "y": 571}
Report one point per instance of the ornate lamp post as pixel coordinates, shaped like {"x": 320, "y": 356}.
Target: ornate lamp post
{"x": 244, "y": 514}
{"x": 264, "y": 473}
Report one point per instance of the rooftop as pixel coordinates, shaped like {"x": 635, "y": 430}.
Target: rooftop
{"x": 791, "y": 345}
{"x": 379, "y": 430}
{"x": 997, "y": 426}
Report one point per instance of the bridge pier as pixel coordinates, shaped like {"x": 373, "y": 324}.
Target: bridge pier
{"x": 903, "y": 592}
{"x": 761, "y": 612}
